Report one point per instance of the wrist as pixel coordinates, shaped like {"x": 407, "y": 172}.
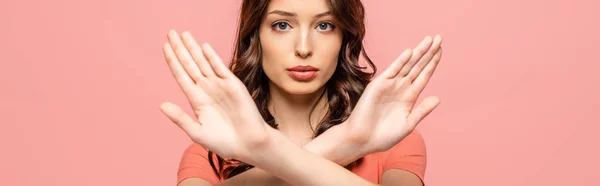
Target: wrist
{"x": 282, "y": 158}
{"x": 263, "y": 155}
{"x": 336, "y": 146}
{"x": 288, "y": 161}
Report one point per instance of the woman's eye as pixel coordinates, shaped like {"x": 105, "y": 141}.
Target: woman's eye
{"x": 326, "y": 26}
{"x": 280, "y": 26}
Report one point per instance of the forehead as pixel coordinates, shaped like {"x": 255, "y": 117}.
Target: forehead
{"x": 300, "y": 7}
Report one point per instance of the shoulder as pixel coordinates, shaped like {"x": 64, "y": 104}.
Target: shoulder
{"x": 195, "y": 164}
{"x": 196, "y": 149}
{"x": 412, "y": 143}
{"x": 409, "y": 155}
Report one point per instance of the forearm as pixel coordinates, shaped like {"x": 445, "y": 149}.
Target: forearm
{"x": 299, "y": 167}
{"x": 328, "y": 145}
{"x": 332, "y": 146}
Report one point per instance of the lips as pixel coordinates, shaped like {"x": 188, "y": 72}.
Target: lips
{"x": 303, "y": 73}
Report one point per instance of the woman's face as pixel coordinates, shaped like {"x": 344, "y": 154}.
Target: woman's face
{"x": 300, "y": 43}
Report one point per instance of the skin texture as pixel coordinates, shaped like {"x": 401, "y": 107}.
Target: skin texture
{"x": 228, "y": 122}
{"x": 298, "y": 33}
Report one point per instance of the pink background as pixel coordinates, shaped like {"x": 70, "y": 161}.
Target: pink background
{"x": 81, "y": 83}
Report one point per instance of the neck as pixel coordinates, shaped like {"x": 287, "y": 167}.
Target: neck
{"x": 291, "y": 111}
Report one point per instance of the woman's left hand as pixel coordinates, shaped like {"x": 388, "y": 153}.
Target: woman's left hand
{"x": 384, "y": 114}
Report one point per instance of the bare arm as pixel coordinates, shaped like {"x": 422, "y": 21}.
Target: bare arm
{"x": 304, "y": 168}
{"x": 322, "y": 146}
{"x": 291, "y": 163}
{"x": 400, "y": 177}
{"x": 257, "y": 176}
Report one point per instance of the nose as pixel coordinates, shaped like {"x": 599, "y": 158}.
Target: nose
{"x": 303, "y": 46}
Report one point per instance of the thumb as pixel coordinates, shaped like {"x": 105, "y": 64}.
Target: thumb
{"x": 192, "y": 128}
{"x": 422, "y": 110}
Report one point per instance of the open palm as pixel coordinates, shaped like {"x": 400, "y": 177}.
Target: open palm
{"x": 228, "y": 121}
{"x": 384, "y": 114}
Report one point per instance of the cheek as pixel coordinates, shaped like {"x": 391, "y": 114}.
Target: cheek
{"x": 276, "y": 50}
{"x": 271, "y": 58}
{"x": 269, "y": 66}
{"x": 271, "y": 46}
{"x": 330, "y": 51}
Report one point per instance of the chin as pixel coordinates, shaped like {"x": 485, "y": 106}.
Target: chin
{"x": 301, "y": 88}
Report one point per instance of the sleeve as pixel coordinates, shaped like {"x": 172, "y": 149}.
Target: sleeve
{"x": 409, "y": 155}
{"x": 194, "y": 164}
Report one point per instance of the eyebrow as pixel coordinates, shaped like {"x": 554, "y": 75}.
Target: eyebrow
{"x": 291, "y": 14}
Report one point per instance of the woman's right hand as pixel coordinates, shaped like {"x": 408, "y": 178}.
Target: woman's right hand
{"x": 229, "y": 122}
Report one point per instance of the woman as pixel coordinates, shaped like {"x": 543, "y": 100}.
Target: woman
{"x": 309, "y": 111}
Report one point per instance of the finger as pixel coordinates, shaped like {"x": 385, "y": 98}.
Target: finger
{"x": 416, "y": 55}
{"x": 421, "y": 81}
{"x": 215, "y": 62}
{"x": 426, "y": 59}
{"x": 393, "y": 69}
{"x": 183, "y": 120}
{"x": 184, "y": 56}
{"x": 422, "y": 110}
{"x": 197, "y": 54}
{"x": 183, "y": 79}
